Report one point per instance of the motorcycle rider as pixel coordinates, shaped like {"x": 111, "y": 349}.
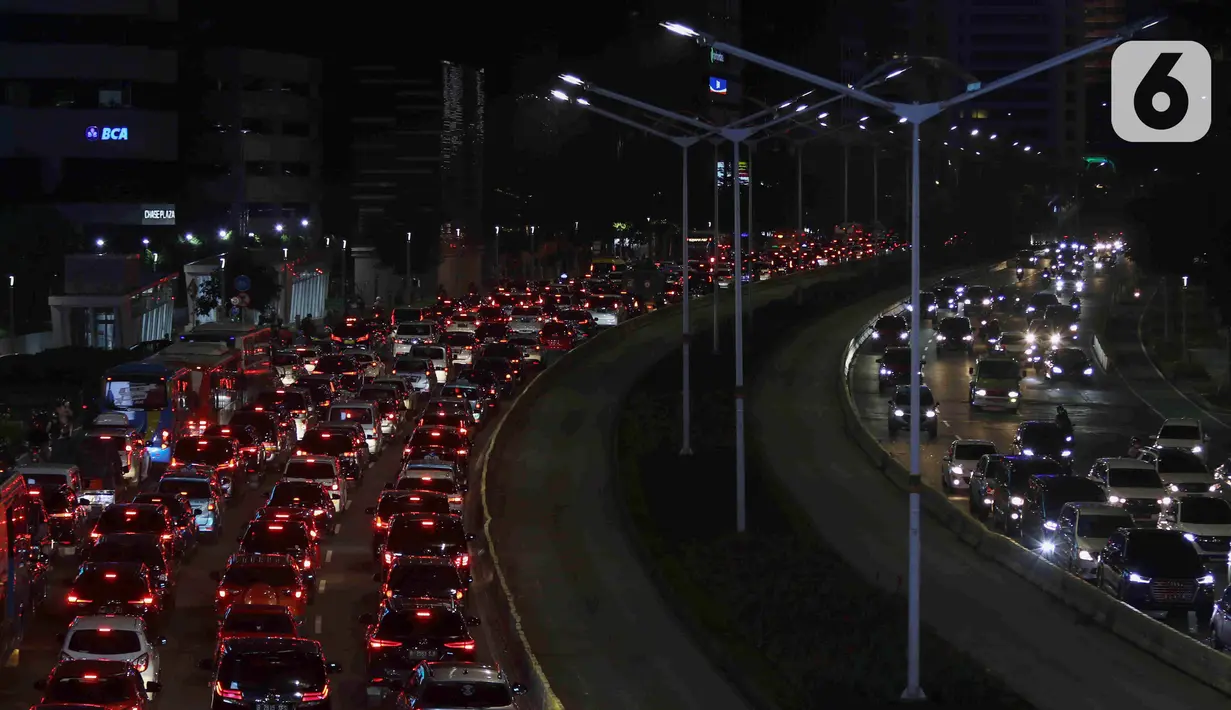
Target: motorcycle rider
{"x": 1020, "y": 273}
{"x": 991, "y": 331}
{"x": 1062, "y": 419}
{"x": 1075, "y": 303}
{"x": 1134, "y": 447}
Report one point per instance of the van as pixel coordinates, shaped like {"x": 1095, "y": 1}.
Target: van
{"x": 52, "y": 475}
{"x": 366, "y": 415}
{"x": 439, "y": 356}
{"x": 319, "y": 469}
{"x": 996, "y": 383}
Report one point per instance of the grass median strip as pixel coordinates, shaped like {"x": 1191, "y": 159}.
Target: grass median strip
{"x": 781, "y": 613}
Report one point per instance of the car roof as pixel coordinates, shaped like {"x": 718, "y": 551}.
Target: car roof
{"x": 57, "y": 468}
{"x": 269, "y": 644}
{"x": 1124, "y": 462}
{"x": 107, "y": 621}
{"x": 461, "y": 671}
{"x": 1181, "y": 421}
{"x": 982, "y": 442}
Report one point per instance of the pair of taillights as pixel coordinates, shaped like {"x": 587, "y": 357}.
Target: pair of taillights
{"x": 297, "y": 593}
{"x": 379, "y": 644}
{"x": 74, "y": 599}
{"x": 141, "y": 663}
{"x": 308, "y": 697}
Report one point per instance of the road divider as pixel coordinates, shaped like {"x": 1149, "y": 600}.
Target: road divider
{"x": 1100, "y": 355}
{"x": 1187, "y": 654}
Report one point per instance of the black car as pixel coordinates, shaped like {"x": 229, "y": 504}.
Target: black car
{"x": 322, "y": 442}
{"x": 66, "y": 516}
{"x": 946, "y": 298}
{"x": 502, "y": 370}
{"x": 1046, "y": 494}
{"x": 889, "y": 330}
{"x": 394, "y": 502}
{"x": 182, "y": 513}
{"x": 1156, "y": 570}
{"x": 1039, "y": 302}
{"x": 261, "y": 673}
{"x": 899, "y": 410}
{"x": 894, "y": 367}
{"x": 1009, "y": 485}
{"x": 114, "y": 588}
{"x": 136, "y": 547}
{"x": 322, "y": 387}
{"x": 303, "y": 494}
{"x": 431, "y": 578}
{"x": 407, "y": 631}
{"x": 422, "y": 535}
{"x": 1044, "y": 438}
{"x": 954, "y": 333}
{"x": 1068, "y": 364}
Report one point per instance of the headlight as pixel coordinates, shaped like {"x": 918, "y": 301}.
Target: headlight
{"x": 1017, "y": 500}
{"x": 987, "y": 301}
{"x": 931, "y": 307}
{"x": 903, "y": 335}
{"x": 1014, "y": 395}
{"x": 1137, "y": 579}
{"x": 981, "y": 393}
{"x": 1059, "y": 284}
{"x": 898, "y": 413}
{"x": 886, "y": 371}
{"x": 1029, "y": 337}
{"x": 940, "y": 338}
{"x": 955, "y": 470}
{"x": 1088, "y": 371}
{"x": 1058, "y": 370}
{"x": 1190, "y": 537}
{"x": 1081, "y": 286}
{"x": 1164, "y": 501}
{"x": 1207, "y": 579}
{"x": 1084, "y": 555}
{"x": 1030, "y": 309}
{"x": 1098, "y": 265}
{"x": 1072, "y": 327}
{"x": 1115, "y": 500}
{"x": 1050, "y": 525}
{"x": 876, "y": 335}
{"x": 1055, "y": 340}
{"x": 1214, "y": 488}
{"x": 1173, "y": 488}
{"x": 968, "y": 337}
{"x": 1027, "y": 452}
{"x": 1048, "y": 547}
{"x": 1197, "y": 449}
{"x": 931, "y": 413}
{"x": 1066, "y": 453}
{"x": 966, "y": 302}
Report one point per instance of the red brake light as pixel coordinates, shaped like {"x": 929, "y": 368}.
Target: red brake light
{"x": 109, "y": 575}
{"x": 275, "y": 527}
{"x": 315, "y": 697}
{"x": 226, "y": 693}
{"x": 463, "y": 645}
{"x": 428, "y": 523}
{"x": 377, "y": 643}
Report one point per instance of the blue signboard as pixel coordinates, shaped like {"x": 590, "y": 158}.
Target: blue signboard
{"x": 106, "y": 133}
{"x": 242, "y": 283}
{"x": 718, "y": 85}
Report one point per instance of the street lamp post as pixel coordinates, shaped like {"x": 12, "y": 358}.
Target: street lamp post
{"x": 915, "y": 114}
{"x": 13, "y": 313}
{"x": 714, "y": 244}
{"x": 410, "y": 279}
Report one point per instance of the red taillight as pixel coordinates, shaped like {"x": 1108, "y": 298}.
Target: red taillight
{"x": 462, "y": 645}
{"x": 461, "y": 451}
{"x": 166, "y": 536}
{"x": 227, "y": 693}
{"x": 74, "y": 599}
{"x": 462, "y": 560}
{"x": 377, "y": 643}
{"x": 315, "y": 697}
{"x": 378, "y": 523}
{"x": 299, "y": 594}
{"x": 222, "y": 594}
{"x": 142, "y": 663}
{"x": 455, "y": 499}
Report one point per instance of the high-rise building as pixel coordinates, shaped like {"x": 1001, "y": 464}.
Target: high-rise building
{"x": 993, "y": 38}
{"x": 255, "y": 155}
{"x": 89, "y": 111}
{"x": 416, "y": 162}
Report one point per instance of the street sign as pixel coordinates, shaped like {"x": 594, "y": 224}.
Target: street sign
{"x": 234, "y": 311}
{"x": 234, "y": 300}
{"x": 242, "y": 283}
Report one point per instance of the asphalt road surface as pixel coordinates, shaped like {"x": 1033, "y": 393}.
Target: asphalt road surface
{"x": 1105, "y": 413}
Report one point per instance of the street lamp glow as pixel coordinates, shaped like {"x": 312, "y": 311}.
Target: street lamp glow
{"x": 100, "y": 242}
{"x": 303, "y": 222}
{"x": 559, "y": 95}
{"x": 864, "y": 119}
{"x": 12, "y": 280}
{"x": 570, "y": 79}
{"x": 902, "y": 120}
{"x": 145, "y": 241}
{"x": 824, "y": 125}
{"x": 582, "y": 100}
{"x": 1027, "y": 149}
{"x": 992, "y": 137}
{"x": 895, "y": 72}
{"x": 681, "y": 30}
{"x": 974, "y": 132}
{"x": 222, "y": 234}
{"x": 863, "y": 127}
{"x": 784, "y": 104}
{"x": 278, "y": 227}
{"x": 822, "y": 116}
{"x": 801, "y": 107}
{"x": 953, "y": 128}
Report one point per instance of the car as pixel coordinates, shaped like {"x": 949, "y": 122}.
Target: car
{"x": 1132, "y": 485}
{"x": 407, "y": 335}
{"x": 114, "y": 637}
{"x": 204, "y": 493}
{"x": 307, "y": 495}
{"x": 217, "y": 452}
{"x": 66, "y": 516}
{"x": 111, "y": 685}
{"x": 1068, "y": 363}
{"x": 121, "y": 518}
{"x": 296, "y": 399}
{"x": 284, "y": 580}
{"x": 114, "y": 588}
{"x": 347, "y": 450}
{"x": 1183, "y": 434}
{"x": 1082, "y": 534}
{"x": 432, "y": 578}
{"x": 438, "y": 443}
{"x": 389, "y": 401}
{"x": 1183, "y": 472}
{"x": 270, "y": 672}
{"x": 1039, "y": 437}
{"x": 406, "y": 631}
{"x": 996, "y": 383}
{"x": 366, "y": 414}
{"x": 899, "y": 415}
{"x": 893, "y": 368}
{"x": 960, "y": 461}
{"x": 1046, "y": 496}
{"x": 437, "y": 476}
{"x": 293, "y": 538}
{"x": 890, "y": 329}
{"x": 954, "y": 333}
{"x": 1205, "y": 522}
{"x": 145, "y": 548}
{"x": 323, "y": 470}
{"x": 1039, "y": 302}
{"x": 393, "y": 502}
{"x": 446, "y": 684}
{"x": 982, "y": 485}
{"x": 259, "y": 621}
{"x": 1155, "y": 570}
{"x": 418, "y": 534}
{"x": 316, "y": 523}
{"x": 1010, "y": 482}
{"x": 1012, "y": 343}
{"x": 113, "y": 431}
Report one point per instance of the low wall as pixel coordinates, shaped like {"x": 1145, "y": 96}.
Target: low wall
{"x": 1163, "y": 642}
{"x": 28, "y": 344}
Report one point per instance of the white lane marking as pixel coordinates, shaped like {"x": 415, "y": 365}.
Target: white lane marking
{"x": 316, "y": 625}
{"x": 337, "y": 528}
{"x": 328, "y": 556}
{"x": 320, "y": 586}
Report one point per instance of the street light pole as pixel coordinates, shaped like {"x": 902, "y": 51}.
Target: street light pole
{"x": 741, "y": 513}
{"x": 13, "y": 313}
{"x": 846, "y": 182}
{"x": 915, "y": 114}
{"x": 714, "y": 249}
{"x": 876, "y": 195}
{"x": 410, "y": 280}
{"x": 799, "y": 190}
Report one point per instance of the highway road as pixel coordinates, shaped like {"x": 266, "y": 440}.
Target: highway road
{"x": 1042, "y": 649}
{"x": 345, "y": 590}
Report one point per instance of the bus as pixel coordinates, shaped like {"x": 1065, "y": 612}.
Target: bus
{"x": 604, "y": 266}
{"x": 18, "y": 557}
{"x": 178, "y": 391}
{"x": 252, "y": 342}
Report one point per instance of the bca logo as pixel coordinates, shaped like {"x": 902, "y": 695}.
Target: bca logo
{"x": 94, "y": 133}
{"x": 1161, "y": 92}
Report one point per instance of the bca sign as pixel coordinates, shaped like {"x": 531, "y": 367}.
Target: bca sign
{"x": 106, "y": 133}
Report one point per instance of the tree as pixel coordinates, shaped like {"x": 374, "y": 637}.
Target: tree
{"x": 209, "y": 295}
{"x": 265, "y": 284}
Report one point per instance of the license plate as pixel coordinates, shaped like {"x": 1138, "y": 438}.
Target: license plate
{"x": 109, "y": 609}
{"x": 275, "y": 706}
{"x": 420, "y": 654}
{"x": 431, "y": 457}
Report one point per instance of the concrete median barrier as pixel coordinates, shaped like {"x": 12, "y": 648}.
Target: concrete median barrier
{"x": 1187, "y": 654}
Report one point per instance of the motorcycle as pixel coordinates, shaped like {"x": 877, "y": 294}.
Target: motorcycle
{"x": 1020, "y": 273}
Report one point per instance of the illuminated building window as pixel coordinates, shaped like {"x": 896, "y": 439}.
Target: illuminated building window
{"x": 979, "y": 113}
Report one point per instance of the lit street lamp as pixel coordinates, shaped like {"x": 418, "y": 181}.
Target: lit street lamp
{"x": 915, "y": 114}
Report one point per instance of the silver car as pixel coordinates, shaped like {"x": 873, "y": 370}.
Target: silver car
{"x": 450, "y": 686}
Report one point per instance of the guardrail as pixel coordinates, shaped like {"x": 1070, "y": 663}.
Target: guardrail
{"x": 520, "y": 661}
{"x": 1174, "y": 648}
{"x": 1100, "y": 355}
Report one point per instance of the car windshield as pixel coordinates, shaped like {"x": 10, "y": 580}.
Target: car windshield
{"x": 314, "y": 470}
{"x": 466, "y": 695}
{"x": 896, "y": 358}
{"x": 414, "y": 330}
{"x": 295, "y": 494}
{"x": 92, "y": 691}
{"x": 360, "y": 415}
{"x": 248, "y": 575}
{"x": 110, "y": 583}
{"x": 292, "y": 400}
{"x": 193, "y": 490}
{"x": 1102, "y": 526}
{"x": 1043, "y": 438}
{"x": 428, "y": 353}
{"x": 1180, "y": 462}
{"x": 127, "y": 519}
{"x": 972, "y": 452}
{"x": 404, "y": 314}
{"x": 127, "y": 548}
{"x": 426, "y": 483}
{"x": 459, "y": 340}
{"x": 335, "y": 364}
{"x": 1000, "y": 369}
{"x": 411, "y": 533}
{"x": 1133, "y": 478}
{"x": 104, "y": 642}
{"x": 1183, "y": 432}
{"x": 286, "y": 671}
{"x": 462, "y": 392}
{"x": 955, "y": 326}
{"x": 1205, "y": 511}
{"x": 902, "y": 397}
{"x": 409, "y": 364}
{"x": 1024, "y": 468}
{"x": 1012, "y": 338}
{"x": 239, "y": 622}
{"x": 55, "y": 500}
{"x": 1043, "y": 300}
{"x": 433, "y": 623}
{"x": 143, "y": 393}
{"x": 890, "y": 323}
{"x": 1161, "y": 546}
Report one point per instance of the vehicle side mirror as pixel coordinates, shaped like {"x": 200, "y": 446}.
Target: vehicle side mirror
{"x": 215, "y": 576}
{"x": 473, "y": 621}
{"x": 153, "y": 686}
{"x": 161, "y": 640}
{"x": 206, "y": 664}
{"x": 880, "y": 361}
{"x": 518, "y": 689}
{"x": 333, "y": 668}
{"x": 367, "y": 619}
{"x": 370, "y": 510}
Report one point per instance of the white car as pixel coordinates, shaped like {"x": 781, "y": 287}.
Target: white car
{"x": 463, "y": 323}
{"x": 1183, "y": 434}
{"x": 1133, "y": 485}
{"x": 319, "y": 469}
{"x": 606, "y": 310}
{"x": 112, "y": 637}
{"x": 461, "y": 345}
{"x": 531, "y": 351}
{"x": 1082, "y": 535}
{"x": 435, "y": 476}
{"x": 960, "y": 461}
{"x": 372, "y": 365}
{"x": 438, "y": 355}
{"x": 1182, "y": 471}
{"x": 408, "y": 335}
{"x": 1205, "y": 522}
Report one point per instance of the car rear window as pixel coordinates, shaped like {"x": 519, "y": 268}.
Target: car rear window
{"x": 361, "y": 415}
{"x": 316, "y": 470}
{"x": 466, "y": 695}
{"x": 422, "y": 622}
{"x": 247, "y": 575}
{"x": 104, "y": 642}
{"x": 189, "y": 489}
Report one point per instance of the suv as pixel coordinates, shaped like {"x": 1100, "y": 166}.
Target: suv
{"x": 890, "y": 329}
{"x": 1043, "y": 438}
{"x": 406, "y": 631}
{"x": 954, "y": 333}
{"x": 894, "y": 367}
{"x": 899, "y": 414}
{"x": 1083, "y": 532}
{"x": 467, "y": 685}
{"x": 366, "y": 414}
{"x": 1046, "y": 495}
{"x": 1156, "y": 570}
{"x": 319, "y": 469}
{"x": 1010, "y": 482}
{"x": 960, "y": 461}
{"x": 996, "y": 383}
{"x": 270, "y": 673}
{"x": 1132, "y": 485}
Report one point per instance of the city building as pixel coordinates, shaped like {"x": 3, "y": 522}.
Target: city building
{"x": 256, "y": 155}
{"x": 992, "y": 38}
{"x": 111, "y": 301}
{"x": 89, "y": 112}
{"x": 416, "y": 163}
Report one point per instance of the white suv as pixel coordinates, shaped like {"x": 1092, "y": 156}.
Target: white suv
{"x": 112, "y": 637}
